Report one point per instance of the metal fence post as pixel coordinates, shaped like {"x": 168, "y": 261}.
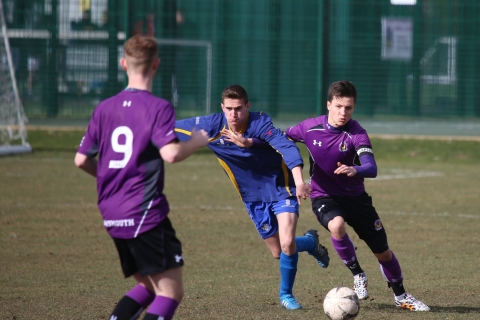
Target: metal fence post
{"x": 323, "y": 66}
{"x": 51, "y": 86}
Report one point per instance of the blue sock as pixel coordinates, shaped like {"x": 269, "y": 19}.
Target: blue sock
{"x": 305, "y": 243}
{"x": 288, "y": 271}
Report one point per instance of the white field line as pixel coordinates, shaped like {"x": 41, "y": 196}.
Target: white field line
{"x": 405, "y": 174}
{"x": 94, "y": 205}
{"x": 434, "y": 214}
{"x": 53, "y": 204}
{"x": 34, "y": 160}
{"x": 200, "y": 163}
{"x": 241, "y": 208}
{"x": 204, "y": 207}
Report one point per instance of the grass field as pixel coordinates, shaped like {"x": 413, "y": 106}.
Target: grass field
{"x": 57, "y": 261}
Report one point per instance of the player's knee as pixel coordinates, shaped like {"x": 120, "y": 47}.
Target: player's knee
{"x": 175, "y": 293}
{"x": 337, "y": 228}
{"x": 384, "y": 256}
{"x": 288, "y": 246}
{"x": 276, "y": 252}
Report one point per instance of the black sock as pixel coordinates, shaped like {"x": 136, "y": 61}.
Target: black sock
{"x": 355, "y": 267}
{"x": 126, "y": 309}
{"x": 397, "y": 288}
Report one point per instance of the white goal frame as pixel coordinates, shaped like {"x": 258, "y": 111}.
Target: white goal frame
{"x": 24, "y": 147}
{"x": 208, "y": 78}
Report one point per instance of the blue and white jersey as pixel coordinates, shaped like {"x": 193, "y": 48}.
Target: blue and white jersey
{"x": 258, "y": 174}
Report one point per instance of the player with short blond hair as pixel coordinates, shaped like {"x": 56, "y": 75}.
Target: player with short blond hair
{"x": 133, "y": 134}
{"x": 140, "y": 53}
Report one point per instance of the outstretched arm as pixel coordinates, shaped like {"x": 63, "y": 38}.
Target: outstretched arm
{"x": 177, "y": 151}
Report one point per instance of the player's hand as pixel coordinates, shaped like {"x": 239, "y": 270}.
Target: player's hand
{"x": 303, "y": 191}
{"x": 199, "y": 138}
{"x": 236, "y": 138}
{"x": 344, "y": 169}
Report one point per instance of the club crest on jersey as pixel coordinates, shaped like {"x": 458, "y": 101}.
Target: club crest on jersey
{"x": 265, "y": 227}
{"x": 343, "y": 147}
{"x": 378, "y": 225}
{"x": 319, "y": 143}
{"x": 288, "y": 204}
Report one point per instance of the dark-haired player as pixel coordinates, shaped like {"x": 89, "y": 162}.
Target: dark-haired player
{"x": 268, "y": 179}
{"x": 341, "y": 157}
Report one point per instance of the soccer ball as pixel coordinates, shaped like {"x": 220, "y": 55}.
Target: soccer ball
{"x": 341, "y": 303}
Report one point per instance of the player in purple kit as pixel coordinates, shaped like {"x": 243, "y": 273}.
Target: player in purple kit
{"x": 133, "y": 133}
{"x": 341, "y": 157}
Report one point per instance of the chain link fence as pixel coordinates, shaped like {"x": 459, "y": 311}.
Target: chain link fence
{"x": 414, "y": 62}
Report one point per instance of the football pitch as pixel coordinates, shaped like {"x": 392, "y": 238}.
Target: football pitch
{"x": 57, "y": 261}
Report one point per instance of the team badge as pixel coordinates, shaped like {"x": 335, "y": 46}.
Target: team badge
{"x": 378, "y": 225}
{"x": 265, "y": 227}
{"x": 289, "y": 204}
{"x": 343, "y": 147}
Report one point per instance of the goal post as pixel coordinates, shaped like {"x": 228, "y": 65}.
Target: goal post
{"x": 13, "y": 134}
{"x": 207, "y": 77}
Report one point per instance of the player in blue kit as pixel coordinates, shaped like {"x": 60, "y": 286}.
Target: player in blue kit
{"x": 268, "y": 179}
{"x": 133, "y": 133}
{"x": 341, "y": 157}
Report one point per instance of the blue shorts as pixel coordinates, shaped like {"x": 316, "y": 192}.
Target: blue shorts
{"x": 263, "y": 214}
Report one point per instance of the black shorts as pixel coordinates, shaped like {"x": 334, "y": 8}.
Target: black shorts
{"x": 358, "y": 212}
{"x": 152, "y": 252}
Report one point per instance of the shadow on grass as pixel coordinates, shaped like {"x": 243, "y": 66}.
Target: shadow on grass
{"x": 435, "y": 309}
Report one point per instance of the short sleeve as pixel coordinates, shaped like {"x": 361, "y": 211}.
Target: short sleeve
{"x": 295, "y": 133}
{"x": 164, "y": 125}
{"x": 89, "y": 143}
{"x": 362, "y": 141}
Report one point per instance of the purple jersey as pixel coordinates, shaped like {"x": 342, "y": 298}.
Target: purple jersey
{"x": 127, "y": 131}
{"x": 328, "y": 146}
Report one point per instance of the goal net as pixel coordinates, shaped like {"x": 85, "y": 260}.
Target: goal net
{"x": 13, "y": 134}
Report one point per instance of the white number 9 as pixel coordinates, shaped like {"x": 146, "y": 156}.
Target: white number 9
{"x": 126, "y": 148}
